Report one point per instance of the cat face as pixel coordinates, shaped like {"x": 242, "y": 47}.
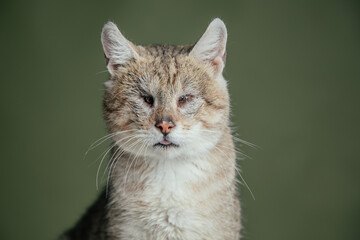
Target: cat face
{"x": 166, "y": 101}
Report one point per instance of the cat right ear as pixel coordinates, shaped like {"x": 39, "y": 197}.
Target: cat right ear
{"x": 117, "y": 49}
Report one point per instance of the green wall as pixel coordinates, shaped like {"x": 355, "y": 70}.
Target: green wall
{"x": 294, "y": 75}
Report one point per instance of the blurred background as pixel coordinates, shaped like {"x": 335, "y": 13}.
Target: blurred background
{"x": 294, "y": 74}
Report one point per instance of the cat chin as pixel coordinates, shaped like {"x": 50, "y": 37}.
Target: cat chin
{"x": 181, "y": 152}
{"x": 173, "y": 152}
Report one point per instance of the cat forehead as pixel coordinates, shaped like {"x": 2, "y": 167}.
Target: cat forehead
{"x": 166, "y": 59}
{"x": 166, "y": 66}
{"x": 163, "y": 51}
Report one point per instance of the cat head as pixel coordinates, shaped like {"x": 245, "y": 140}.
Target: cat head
{"x": 166, "y": 101}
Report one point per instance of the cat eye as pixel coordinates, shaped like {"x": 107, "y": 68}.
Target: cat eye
{"x": 184, "y": 99}
{"x": 149, "y": 100}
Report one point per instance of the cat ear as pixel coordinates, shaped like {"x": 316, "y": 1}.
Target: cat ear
{"x": 212, "y": 45}
{"x": 117, "y": 49}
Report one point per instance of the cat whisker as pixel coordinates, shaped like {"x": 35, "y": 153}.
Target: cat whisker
{"x": 101, "y": 140}
{"x": 206, "y": 130}
{"x": 236, "y": 139}
{"x": 128, "y": 169}
{"x": 104, "y": 155}
{"x": 147, "y": 146}
{"x": 237, "y": 152}
{"x": 104, "y": 138}
{"x": 238, "y": 171}
{"x": 244, "y": 182}
{"x": 102, "y": 72}
{"x": 119, "y": 149}
{"x": 252, "y": 145}
{"x": 217, "y": 148}
{"x": 123, "y": 150}
{"x": 137, "y": 154}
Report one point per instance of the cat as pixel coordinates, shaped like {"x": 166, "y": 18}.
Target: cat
{"x": 172, "y": 171}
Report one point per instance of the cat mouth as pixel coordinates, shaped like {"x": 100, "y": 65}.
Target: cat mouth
{"x": 165, "y": 144}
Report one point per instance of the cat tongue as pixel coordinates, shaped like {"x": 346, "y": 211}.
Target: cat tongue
{"x": 165, "y": 142}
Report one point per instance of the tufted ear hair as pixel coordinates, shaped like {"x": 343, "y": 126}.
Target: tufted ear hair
{"x": 117, "y": 49}
{"x": 212, "y": 45}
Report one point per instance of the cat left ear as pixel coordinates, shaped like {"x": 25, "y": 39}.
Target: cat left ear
{"x": 117, "y": 49}
{"x": 212, "y": 45}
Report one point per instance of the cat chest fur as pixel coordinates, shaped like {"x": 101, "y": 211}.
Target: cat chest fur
{"x": 174, "y": 203}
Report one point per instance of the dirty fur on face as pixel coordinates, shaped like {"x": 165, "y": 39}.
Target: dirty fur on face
{"x": 172, "y": 170}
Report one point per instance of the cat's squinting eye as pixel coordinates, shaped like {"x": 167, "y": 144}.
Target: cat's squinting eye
{"x": 184, "y": 99}
{"x": 149, "y": 100}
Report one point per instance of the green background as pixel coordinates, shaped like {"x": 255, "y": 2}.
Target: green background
{"x": 294, "y": 74}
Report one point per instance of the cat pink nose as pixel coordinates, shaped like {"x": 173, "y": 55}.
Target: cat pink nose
{"x": 165, "y": 126}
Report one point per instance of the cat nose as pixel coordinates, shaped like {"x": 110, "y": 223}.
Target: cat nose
{"x": 165, "y": 126}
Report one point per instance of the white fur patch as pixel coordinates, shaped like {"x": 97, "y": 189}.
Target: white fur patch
{"x": 109, "y": 84}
